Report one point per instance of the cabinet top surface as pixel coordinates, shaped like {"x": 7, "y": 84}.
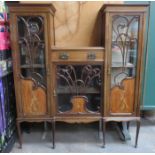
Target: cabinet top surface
{"x": 125, "y": 6}
{"x": 18, "y": 5}
{"x": 56, "y": 48}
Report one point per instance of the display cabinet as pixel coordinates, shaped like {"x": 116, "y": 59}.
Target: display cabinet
{"x": 32, "y": 35}
{"x": 77, "y": 84}
{"x": 73, "y": 84}
{"x": 123, "y": 28}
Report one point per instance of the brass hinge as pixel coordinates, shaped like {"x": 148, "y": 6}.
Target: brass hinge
{"x": 48, "y": 70}
{"x": 109, "y": 71}
{"x": 54, "y": 93}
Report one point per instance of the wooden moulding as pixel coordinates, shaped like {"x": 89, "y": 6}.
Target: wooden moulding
{"x": 57, "y": 48}
{"x": 77, "y": 119}
{"x": 123, "y": 8}
{"x": 27, "y": 8}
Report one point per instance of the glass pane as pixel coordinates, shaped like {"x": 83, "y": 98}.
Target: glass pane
{"x": 124, "y": 47}
{"x": 32, "y": 47}
{"x": 78, "y": 88}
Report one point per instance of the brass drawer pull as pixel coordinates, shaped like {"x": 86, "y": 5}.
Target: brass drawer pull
{"x": 63, "y": 56}
{"x": 91, "y": 56}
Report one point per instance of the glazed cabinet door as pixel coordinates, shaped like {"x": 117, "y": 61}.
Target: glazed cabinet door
{"x": 78, "y": 89}
{"x": 124, "y": 61}
{"x": 30, "y": 63}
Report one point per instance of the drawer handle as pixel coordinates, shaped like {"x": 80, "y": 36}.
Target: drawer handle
{"x": 63, "y": 56}
{"x": 91, "y": 56}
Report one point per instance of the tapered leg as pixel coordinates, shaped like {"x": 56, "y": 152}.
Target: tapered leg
{"x": 137, "y": 133}
{"x": 45, "y": 131}
{"x": 104, "y": 130}
{"x": 53, "y": 134}
{"x": 100, "y": 128}
{"x": 19, "y": 134}
{"x": 128, "y": 125}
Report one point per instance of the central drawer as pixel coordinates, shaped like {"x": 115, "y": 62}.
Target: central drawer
{"x": 77, "y": 55}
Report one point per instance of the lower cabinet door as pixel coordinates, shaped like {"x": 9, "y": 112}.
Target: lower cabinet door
{"x": 78, "y": 89}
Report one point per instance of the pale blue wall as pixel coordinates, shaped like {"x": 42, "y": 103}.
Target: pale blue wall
{"x": 148, "y": 95}
{"x": 149, "y": 80}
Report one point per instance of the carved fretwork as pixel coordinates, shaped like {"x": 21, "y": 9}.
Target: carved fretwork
{"x": 32, "y": 48}
{"x": 79, "y": 81}
{"x": 89, "y": 75}
{"x": 124, "y": 45}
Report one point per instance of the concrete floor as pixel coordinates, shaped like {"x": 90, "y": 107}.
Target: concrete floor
{"x": 84, "y": 138}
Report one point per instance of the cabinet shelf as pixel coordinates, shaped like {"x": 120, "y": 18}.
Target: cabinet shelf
{"x": 124, "y": 41}
{"x": 35, "y": 41}
{"x": 119, "y": 65}
{"x": 81, "y": 90}
{"x": 34, "y": 66}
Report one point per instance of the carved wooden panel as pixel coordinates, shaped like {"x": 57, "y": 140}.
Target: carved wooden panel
{"x": 33, "y": 99}
{"x": 122, "y": 98}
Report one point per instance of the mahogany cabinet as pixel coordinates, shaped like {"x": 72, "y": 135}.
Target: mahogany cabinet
{"x": 77, "y": 84}
{"x": 122, "y": 30}
{"x": 32, "y": 34}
